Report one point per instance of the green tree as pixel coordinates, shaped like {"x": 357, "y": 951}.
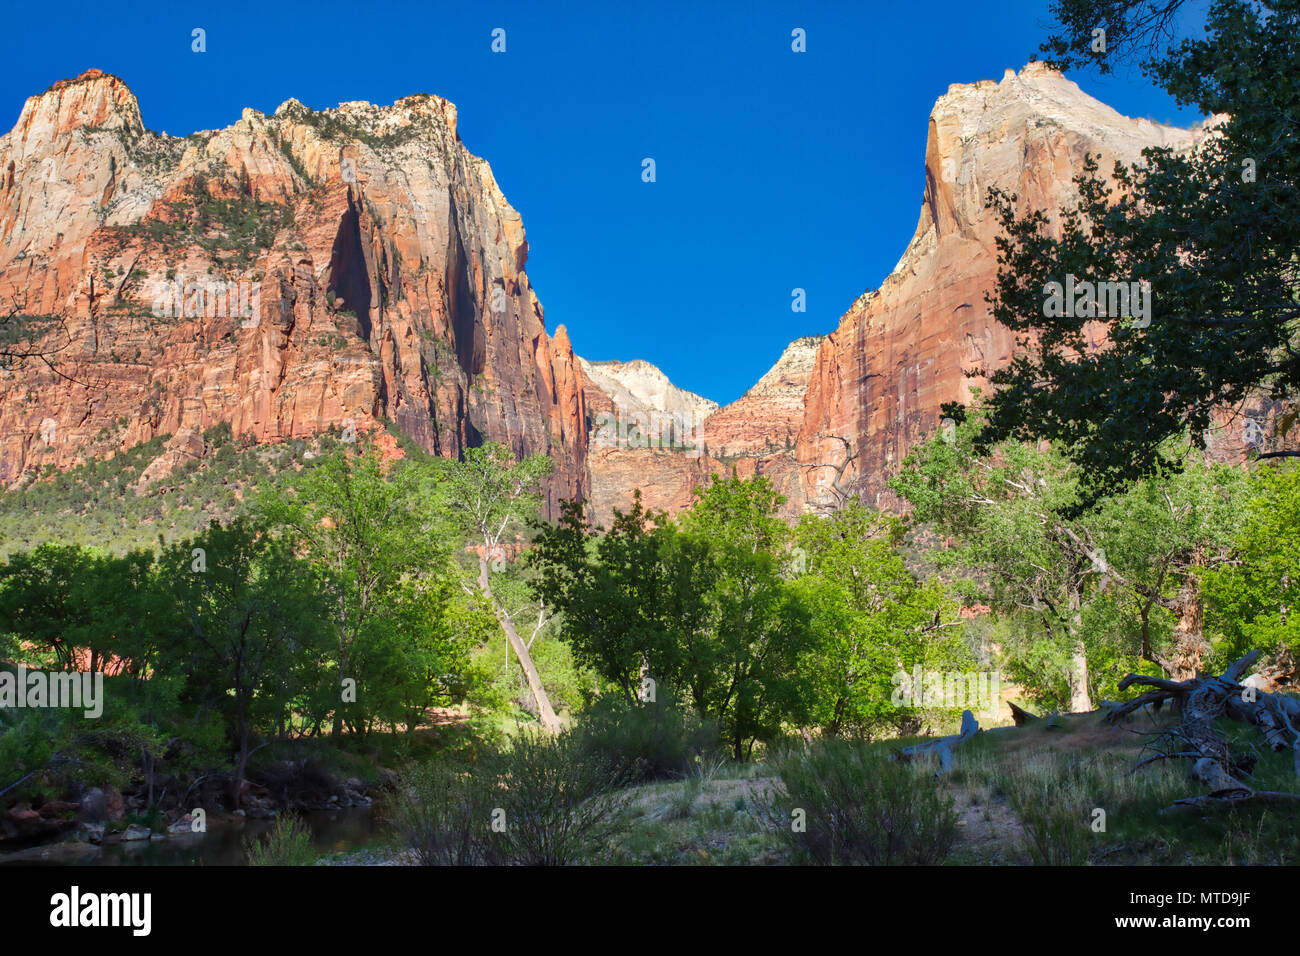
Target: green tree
{"x": 71, "y": 603}
{"x": 1114, "y": 582}
{"x": 1215, "y": 232}
{"x": 871, "y": 616}
{"x": 747, "y": 677}
{"x": 1006, "y": 515}
{"x": 493, "y": 498}
{"x": 247, "y": 613}
{"x": 701, "y": 608}
{"x": 1157, "y": 541}
{"x": 633, "y": 601}
{"x": 376, "y": 536}
{"x": 1253, "y": 601}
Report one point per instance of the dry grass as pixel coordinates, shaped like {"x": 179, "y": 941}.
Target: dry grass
{"x": 1023, "y": 796}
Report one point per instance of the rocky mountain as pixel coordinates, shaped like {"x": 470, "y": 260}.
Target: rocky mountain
{"x": 903, "y": 350}
{"x": 637, "y": 387}
{"x": 686, "y": 438}
{"x": 324, "y": 271}
{"x": 290, "y": 274}
{"x": 857, "y": 400}
{"x": 767, "y": 418}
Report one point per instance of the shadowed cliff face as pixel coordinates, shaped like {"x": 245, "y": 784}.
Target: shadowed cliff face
{"x": 286, "y": 274}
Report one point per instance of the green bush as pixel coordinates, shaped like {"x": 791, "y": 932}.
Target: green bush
{"x": 646, "y": 741}
{"x": 541, "y": 803}
{"x": 443, "y": 815}
{"x": 287, "y": 843}
{"x": 858, "y": 807}
{"x": 553, "y": 803}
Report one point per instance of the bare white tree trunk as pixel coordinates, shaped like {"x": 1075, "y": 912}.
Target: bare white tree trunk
{"x": 545, "y": 712}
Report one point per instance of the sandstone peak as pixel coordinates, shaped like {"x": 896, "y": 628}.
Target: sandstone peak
{"x": 638, "y": 386}
{"x": 903, "y": 351}
{"x": 285, "y": 275}
{"x": 792, "y": 369}
{"x": 94, "y": 100}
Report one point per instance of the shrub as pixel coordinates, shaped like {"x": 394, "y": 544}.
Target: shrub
{"x": 443, "y": 815}
{"x": 554, "y": 803}
{"x": 648, "y": 741}
{"x": 860, "y": 808}
{"x": 287, "y": 843}
{"x": 541, "y": 803}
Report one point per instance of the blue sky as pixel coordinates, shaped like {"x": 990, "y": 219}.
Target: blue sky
{"x": 775, "y": 169}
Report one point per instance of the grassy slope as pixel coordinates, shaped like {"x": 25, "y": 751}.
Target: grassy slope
{"x": 98, "y": 504}
{"x": 1023, "y": 796}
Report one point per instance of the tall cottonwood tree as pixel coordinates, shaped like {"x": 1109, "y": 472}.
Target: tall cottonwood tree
{"x": 375, "y": 533}
{"x": 701, "y": 605}
{"x": 493, "y": 497}
{"x": 871, "y": 618}
{"x": 1115, "y": 582}
{"x": 1005, "y": 512}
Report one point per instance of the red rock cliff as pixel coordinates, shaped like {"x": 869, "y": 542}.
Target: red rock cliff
{"x": 902, "y": 351}
{"x": 287, "y": 274}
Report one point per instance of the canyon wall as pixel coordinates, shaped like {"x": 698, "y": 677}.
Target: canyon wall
{"x": 319, "y": 271}
{"x": 901, "y": 351}
{"x": 291, "y": 274}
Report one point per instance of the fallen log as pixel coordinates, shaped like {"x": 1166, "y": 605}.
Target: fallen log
{"x": 1020, "y": 715}
{"x": 1203, "y": 700}
{"x": 942, "y": 746}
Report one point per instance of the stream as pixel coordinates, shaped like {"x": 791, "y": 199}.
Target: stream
{"x": 332, "y": 831}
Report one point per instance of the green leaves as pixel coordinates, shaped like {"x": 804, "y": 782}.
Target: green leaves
{"x": 871, "y": 618}
{"x": 376, "y": 536}
{"x": 1215, "y": 232}
{"x": 1254, "y": 600}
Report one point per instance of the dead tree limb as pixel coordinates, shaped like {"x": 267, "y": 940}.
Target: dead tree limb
{"x": 1204, "y": 699}
{"x": 942, "y": 746}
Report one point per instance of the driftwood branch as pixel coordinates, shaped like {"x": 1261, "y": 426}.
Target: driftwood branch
{"x": 1203, "y": 700}
{"x": 942, "y": 746}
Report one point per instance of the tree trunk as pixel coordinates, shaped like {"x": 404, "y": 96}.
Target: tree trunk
{"x": 1080, "y": 699}
{"x": 546, "y": 714}
{"x": 1189, "y": 643}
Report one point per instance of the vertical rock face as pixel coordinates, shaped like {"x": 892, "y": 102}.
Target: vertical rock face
{"x": 902, "y": 351}
{"x": 754, "y": 435}
{"x": 290, "y": 274}
{"x": 767, "y": 418}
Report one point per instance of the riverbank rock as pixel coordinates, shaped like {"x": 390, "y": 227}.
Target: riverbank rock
{"x": 75, "y": 853}
{"x": 135, "y": 832}
{"x": 182, "y": 826}
{"x": 100, "y": 805}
